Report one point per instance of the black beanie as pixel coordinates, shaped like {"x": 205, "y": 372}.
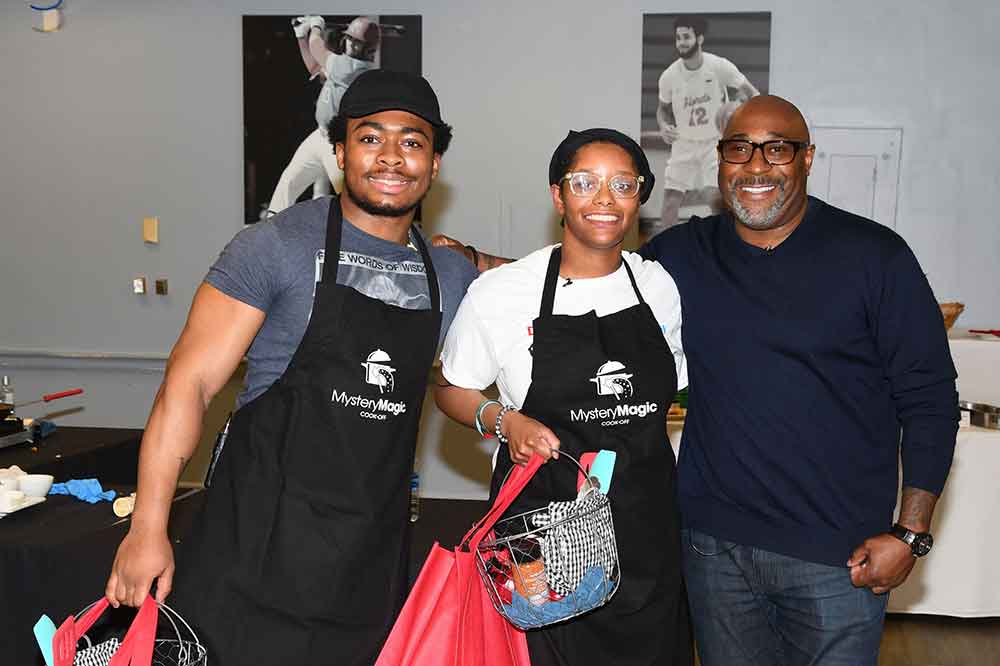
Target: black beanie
{"x": 565, "y": 151}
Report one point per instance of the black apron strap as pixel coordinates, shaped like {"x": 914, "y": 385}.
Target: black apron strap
{"x": 331, "y": 253}
{"x": 631, "y": 278}
{"x": 552, "y": 277}
{"x": 432, "y": 281}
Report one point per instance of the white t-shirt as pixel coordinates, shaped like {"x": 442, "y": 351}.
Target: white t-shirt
{"x": 696, "y": 95}
{"x": 489, "y": 338}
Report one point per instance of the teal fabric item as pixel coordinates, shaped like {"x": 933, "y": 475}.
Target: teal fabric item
{"x": 89, "y": 490}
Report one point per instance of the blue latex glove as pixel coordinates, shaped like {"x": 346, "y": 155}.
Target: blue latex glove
{"x": 89, "y": 490}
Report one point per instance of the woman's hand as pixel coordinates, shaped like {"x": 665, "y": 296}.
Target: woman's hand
{"x": 527, "y": 436}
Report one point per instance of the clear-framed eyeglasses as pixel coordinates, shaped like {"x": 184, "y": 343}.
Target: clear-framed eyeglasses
{"x": 776, "y": 153}
{"x": 587, "y": 184}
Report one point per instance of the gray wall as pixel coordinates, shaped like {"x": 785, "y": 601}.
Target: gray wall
{"x": 134, "y": 109}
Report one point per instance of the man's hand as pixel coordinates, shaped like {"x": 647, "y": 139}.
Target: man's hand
{"x": 300, "y": 27}
{"x": 142, "y": 558}
{"x": 527, "y": 436}
{"x": 669, "y": 134}
{"x": 881, "y": 563}
{"x": 440, "y": 240}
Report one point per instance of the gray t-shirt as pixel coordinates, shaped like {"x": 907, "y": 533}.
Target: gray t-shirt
{"x": 274, "y": 265}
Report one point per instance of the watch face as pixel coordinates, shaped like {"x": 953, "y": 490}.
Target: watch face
{"x": 922, "y": 544}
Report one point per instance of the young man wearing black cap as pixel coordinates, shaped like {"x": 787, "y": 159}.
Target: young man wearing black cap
{"x": 299, "y": 555}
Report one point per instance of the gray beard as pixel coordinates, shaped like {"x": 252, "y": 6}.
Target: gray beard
{"x": 380, "y": 210}
{"x": 756, "y": 221}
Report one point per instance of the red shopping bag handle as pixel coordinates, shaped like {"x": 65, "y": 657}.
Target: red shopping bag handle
{"x": 136, "y": 649}
{"x": 509, "y": 491}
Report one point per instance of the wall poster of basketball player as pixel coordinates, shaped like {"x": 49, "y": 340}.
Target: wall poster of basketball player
{"x": 295, "y": 70}
{"x": 696, "y": 70}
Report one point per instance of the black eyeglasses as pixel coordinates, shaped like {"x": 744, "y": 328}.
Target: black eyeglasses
{"x": 775, "y": 153}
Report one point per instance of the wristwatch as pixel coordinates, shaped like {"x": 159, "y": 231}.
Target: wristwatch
{"x": 920, "y": 543}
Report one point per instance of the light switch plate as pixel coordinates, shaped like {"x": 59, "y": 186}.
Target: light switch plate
{"x": 139, "y": 285}
{"x": 161, "y": 287}
{"x": 151, "y": 230}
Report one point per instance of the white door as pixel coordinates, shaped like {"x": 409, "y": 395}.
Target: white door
{"x": 857, "y": 169}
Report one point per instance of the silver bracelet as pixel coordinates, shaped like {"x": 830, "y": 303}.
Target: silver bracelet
{"x": 503, "y": 410}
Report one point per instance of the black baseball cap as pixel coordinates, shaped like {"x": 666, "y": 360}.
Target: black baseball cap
{"x": 379, "y": 90}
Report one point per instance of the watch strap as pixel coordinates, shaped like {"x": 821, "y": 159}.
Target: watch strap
{"x": 919, "y": 542}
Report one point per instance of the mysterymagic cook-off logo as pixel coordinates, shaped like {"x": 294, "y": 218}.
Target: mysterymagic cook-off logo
{"x": 377, "y": 372}
{"x": 613, "y": 380}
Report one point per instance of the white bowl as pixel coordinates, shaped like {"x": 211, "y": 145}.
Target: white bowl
{"x": 36, "y": 485}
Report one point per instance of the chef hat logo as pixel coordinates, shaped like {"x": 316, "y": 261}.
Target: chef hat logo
{"x": 378, "y": 372}
{"x": 612, "y": 379}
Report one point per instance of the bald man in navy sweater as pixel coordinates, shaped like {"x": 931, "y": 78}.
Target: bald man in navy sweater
{"x": 816, "y": 355}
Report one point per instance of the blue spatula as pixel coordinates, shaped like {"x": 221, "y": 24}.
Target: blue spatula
{"x": 45, "y": 629}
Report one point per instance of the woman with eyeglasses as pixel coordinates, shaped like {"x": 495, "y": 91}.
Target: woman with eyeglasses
{"x": 583, "y": 341}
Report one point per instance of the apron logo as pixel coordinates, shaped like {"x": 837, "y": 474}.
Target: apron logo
{"x": 378, "y": 373}
{"x": 612, "y": 379}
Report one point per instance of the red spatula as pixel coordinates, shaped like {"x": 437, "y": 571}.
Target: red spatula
{"x": 66, "y": 636}
{"x": 64, "y": 643}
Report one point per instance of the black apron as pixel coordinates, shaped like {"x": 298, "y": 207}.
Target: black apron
{"x": 300, "y": 554}
{"x": 623, "y": 410}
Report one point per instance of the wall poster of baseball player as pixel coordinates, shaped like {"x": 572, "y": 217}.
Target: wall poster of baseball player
{"x": 295, "y": 70}
{"x": 696, "y": 70}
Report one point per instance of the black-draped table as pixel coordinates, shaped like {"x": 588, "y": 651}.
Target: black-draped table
{"x": 55, "y": 559}
{"x": 109, "y": 454}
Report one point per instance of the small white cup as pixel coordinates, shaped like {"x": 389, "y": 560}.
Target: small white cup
{"x": 10, "y": 500}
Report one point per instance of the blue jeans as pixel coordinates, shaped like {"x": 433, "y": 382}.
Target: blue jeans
{"x": 752, "y": 607}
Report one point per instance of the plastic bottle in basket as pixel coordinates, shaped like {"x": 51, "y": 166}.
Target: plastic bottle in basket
{"x": 529, "y": 573}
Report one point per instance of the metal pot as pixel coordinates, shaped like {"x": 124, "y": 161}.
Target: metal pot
{"x": 981, "y": 414}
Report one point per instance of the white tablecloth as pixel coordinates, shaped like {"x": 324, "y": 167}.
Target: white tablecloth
{"x": 977, "y": 360}
{"x": 961, "y": 575}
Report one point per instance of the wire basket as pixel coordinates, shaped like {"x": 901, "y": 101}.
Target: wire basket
{"x": 181, "y": 648}
{"x": 550, "y": 564}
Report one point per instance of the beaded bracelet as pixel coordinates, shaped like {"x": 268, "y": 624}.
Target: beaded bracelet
{"x": 503, "y": 411}
{"x": 480, "y": 428}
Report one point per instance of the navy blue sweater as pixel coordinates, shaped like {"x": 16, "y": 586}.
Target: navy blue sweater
{"x": 805, "y": 364}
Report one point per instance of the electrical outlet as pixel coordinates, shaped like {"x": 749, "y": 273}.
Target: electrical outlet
{"x": 161, "y": 287}
{"x": 139, "y": 285}
{"x": 151, "y": 230}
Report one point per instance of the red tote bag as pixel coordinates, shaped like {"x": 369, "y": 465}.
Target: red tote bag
{"x": 448, "y": 619}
